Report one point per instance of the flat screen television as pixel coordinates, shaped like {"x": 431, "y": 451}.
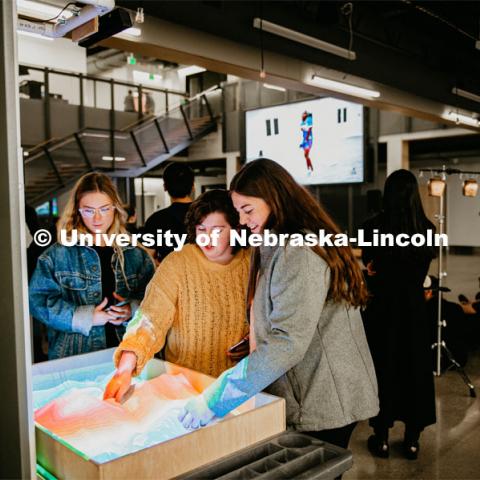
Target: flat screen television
{"x": 318, "y": 141}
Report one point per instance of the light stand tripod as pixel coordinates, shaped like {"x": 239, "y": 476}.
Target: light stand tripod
{"x": 440, "y": 344}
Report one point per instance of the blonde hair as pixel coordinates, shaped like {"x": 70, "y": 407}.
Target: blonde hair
{"x": 72, "y": 220}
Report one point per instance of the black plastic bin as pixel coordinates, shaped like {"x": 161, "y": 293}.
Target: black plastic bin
{"x": 285, "y": 456}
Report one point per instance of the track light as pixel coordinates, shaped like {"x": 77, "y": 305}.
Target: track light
{"x": 470, "y": 188}
{"x": 298, "y": 37}
{"x": 344, "y": 87}
{"x": 436, "y": 187}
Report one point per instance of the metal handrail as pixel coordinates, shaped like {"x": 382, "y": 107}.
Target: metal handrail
{"x": 81, "y": 76}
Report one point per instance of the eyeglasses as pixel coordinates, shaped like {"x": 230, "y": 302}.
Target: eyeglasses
{"x": 88, "y": 212}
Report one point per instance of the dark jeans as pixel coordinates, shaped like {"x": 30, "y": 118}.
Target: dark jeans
{"x": 336, "y": 436}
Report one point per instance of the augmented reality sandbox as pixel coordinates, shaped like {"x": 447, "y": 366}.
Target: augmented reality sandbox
{"x": 78, "y": 435}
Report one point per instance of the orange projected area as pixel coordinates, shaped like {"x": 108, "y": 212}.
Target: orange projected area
{"x": 104, "y": 430}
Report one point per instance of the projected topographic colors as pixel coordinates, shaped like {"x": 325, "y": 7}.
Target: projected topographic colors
{"x": 73, "y": 410}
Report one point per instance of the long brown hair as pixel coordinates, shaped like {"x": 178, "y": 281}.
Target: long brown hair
{"x": 72, "y": 220}
{"x": 295, "y": 210}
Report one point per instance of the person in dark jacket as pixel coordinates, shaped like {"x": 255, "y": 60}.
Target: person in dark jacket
{"x": 396, "y": 321}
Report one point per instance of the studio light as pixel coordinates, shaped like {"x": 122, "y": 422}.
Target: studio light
{"x": 436, "y": 187}
{"x": 470, "y": 188}
{"x": 344, "y": 87}
{"x": 298, "y": 37}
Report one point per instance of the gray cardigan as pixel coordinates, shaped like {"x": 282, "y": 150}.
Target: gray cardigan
{"x": 309, "y": 351}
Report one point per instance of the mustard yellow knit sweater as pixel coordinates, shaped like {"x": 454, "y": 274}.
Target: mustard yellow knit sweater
{"x": 193, "y": 306}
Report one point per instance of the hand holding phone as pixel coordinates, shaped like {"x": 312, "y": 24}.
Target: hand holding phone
{"x": 122, "y": 310}
{"x": 119, "y": 304}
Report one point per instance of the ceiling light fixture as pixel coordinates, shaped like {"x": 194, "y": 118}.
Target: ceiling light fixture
{"x": 129, "y": 32}
{"x": 274, "y": 87}
{"x": 466, "y": 94}
{"x": 110, "y": 159}
{"x": 458, "y": 118}
{"x": 190, "y": 70}
{"x": 298, "y": 37}
{"x": 344, "y": 87}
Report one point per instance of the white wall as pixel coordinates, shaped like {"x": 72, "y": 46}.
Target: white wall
{"x": 60, "y": 54}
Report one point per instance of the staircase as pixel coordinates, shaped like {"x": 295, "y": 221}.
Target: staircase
{"x": 55, "y": 166}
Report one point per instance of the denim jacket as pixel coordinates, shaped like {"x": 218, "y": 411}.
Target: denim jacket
{"x": 66, "y": 287}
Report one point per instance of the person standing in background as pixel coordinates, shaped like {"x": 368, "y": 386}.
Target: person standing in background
{"x": 149, "y": 104}
{"x": 129, "y": 102}
{"x": 178, "y": 183}
{"x": 396, "y": 320}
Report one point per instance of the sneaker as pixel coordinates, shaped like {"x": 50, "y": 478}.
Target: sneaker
{"x": 377, "y": 447}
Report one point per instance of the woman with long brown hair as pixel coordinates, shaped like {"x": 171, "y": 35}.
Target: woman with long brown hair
{"x": 306, "y": 335}
{"x": 86, "y": 294}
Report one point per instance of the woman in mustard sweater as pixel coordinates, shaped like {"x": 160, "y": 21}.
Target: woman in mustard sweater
{"x": 195, "y": 303}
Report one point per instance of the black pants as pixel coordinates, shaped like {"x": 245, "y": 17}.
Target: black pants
{"x": 336, "y": 436}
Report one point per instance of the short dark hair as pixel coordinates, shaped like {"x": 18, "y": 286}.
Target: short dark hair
{"x": 130, "y": 209}
{"x": 178, "y": 179}
{"x": 210, "y": 202}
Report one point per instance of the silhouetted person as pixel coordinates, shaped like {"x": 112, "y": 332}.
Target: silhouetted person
{"x": 129, "y": 102}
{"x": 178, "y": 183}
{"x": 396, "y": 323}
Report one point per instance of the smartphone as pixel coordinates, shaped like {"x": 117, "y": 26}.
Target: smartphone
{"x": 241, "y": 344}
{"x": 120, "y": 304}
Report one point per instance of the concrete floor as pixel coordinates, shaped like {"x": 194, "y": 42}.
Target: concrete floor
{"x": 450, "y": 449}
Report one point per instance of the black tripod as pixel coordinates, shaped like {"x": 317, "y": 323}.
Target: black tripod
{"x": 452, "y": 363}
{"x": 440, "y": 345}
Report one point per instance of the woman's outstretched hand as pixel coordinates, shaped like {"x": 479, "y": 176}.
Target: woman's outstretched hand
{"x": 196, "y": 413}
{"x": 118, "y": 386}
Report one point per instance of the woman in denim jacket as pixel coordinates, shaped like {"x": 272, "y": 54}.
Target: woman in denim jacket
{"x": 72, "y": 286}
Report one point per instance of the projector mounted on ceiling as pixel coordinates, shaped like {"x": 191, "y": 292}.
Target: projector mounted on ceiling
{"x": 110, "y": 24}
